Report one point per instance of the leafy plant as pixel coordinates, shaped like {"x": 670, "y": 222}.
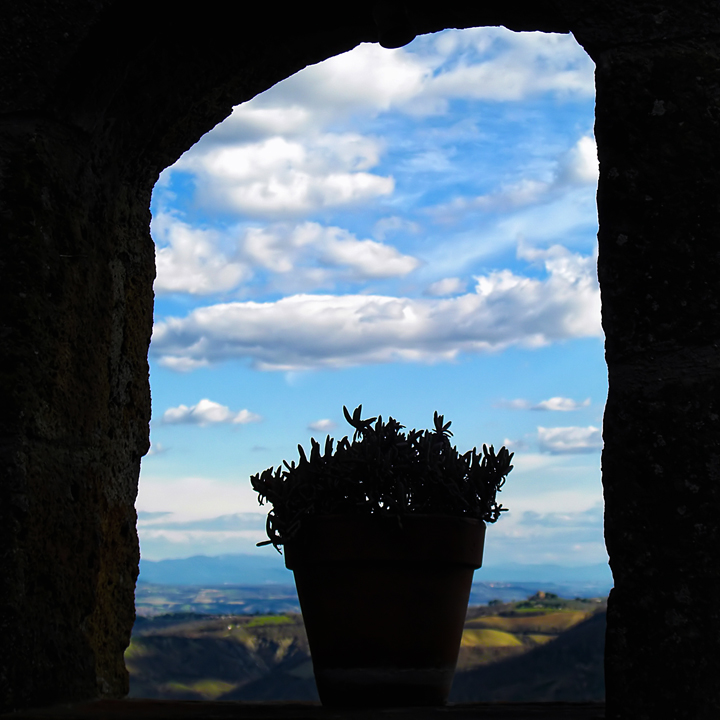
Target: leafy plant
{"x": 382, "y": 471}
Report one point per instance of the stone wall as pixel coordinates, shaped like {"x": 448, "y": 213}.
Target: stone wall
{"x": 658, "y": 112}
{"x": 98, "y": 96}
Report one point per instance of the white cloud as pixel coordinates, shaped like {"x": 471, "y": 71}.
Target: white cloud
{"x": 251, "y": 122}
{"x": 556, "y": 404}
{"x": 156, "y": 449}
{"x": 515, "y": 445}
{"x": 446, "y": 286}
{"x": 517, "y": 404}
{"x": 576, "y": 167}
{"x": 307, "y": 255}
{"x": 368, "y": 77}
{"x": 371, "y": 259}
{"x": 164, "y": 543}
{"x": 561, "y": 404}
{"x": 554, "y": 503}
{"x": 278, "y": 176}
{"x": 207, "y": 412}
{"x": 274, "y": 155}
{"x": 223, "y": 523}
{"x": 590, "y": 518}
{"x": 323, "y": 425}
{"x": 579, "y": 166}
{"x": 168, "y": 534}
{"x": 189, "y": 260}
{"x": 310, "y": 256}
{"x": 493, "y": 64}
{"x": 281, "y": 249}
{"x": 566, "y": 440}
{"x": 183, "y": 364}
{"x": 196, "y": 498}
{"x": 316, "y": 331}
{"x": 496, "y": 64}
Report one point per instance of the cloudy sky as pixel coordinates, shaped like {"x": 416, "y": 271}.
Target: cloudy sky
{"x": 413, "y": 230}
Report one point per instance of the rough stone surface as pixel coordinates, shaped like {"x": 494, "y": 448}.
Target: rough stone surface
{"x": 98, "y": 96}
{"x": 76, "y": 300}
{"x": 658, "y": 120}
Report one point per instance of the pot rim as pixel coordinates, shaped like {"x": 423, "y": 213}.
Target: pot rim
{"x": 426, "y": 539}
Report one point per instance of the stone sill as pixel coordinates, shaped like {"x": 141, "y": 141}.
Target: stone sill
{"x": 137, "y": 709}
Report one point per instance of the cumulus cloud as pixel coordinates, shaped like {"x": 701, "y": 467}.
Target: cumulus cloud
{"x": 368, "y": 77}
{"x": 561, "y": 404}
{"x": 255, "y": 120}
{"x": 189, "y": 260}
{"x": 446, "y": 286}
{"x": 481, "y": 63}
{"x": 275, "y": 156}
{"x": 184, "y": 364}
{"x": 580, "y": 164}
{"x": 319, "y": 331}
{"x": 307, "y": 255}
{"x": 555, "y": 404}
{"x": 279, "y": 176}
{"x": 569, "y": 440}
{"x": 496, "y": 64}
{"x": 207, "y": 412}
{"x": 282, "y": 249}
{"x": 323, "y": 425}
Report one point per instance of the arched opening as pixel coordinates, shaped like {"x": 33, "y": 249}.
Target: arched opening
{"x": 100, "y": 98}
{"x": 443, "y": 196}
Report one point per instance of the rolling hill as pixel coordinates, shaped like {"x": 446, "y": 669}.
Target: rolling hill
{"x": 542, "y": 649}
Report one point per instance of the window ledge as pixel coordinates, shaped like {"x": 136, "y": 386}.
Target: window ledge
{"x": 140, "y": 709}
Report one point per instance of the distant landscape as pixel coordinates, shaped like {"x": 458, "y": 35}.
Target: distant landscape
{"x": 261, "y": 584}
{"x": 542, "y": 648}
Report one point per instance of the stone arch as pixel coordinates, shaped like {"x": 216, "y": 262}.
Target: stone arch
{"x": 98, "y": 96}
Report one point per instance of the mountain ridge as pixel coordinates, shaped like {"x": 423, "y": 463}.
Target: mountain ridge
{"x": 247, "y": 569}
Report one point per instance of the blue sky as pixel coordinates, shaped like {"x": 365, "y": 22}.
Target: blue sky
{"x": 413, "y": 230}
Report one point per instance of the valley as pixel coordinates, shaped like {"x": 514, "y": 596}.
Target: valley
{"x": 543, "y": 648}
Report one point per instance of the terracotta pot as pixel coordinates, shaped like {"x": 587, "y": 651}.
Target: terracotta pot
{"x": 384, "y": 605}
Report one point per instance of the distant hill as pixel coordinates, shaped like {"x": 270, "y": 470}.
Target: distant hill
{"x": 268, "y": 568}
{"x": 195, "y": 657}
{"x": 154, "y": 600}
{"x": 541, "y": 649}
{"x": 568, "y": 669}
{"x": 217, "y": 570}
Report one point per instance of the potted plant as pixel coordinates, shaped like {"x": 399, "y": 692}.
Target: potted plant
{"x": 383, "y": 534}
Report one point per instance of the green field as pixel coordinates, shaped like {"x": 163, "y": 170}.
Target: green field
{"x": 486, "y": 638}
{"x": 551, "y": 623}
{"x": 266, "y": 657}
{"x": 263, "y": 620}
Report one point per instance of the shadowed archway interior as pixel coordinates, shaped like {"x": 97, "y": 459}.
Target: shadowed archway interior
{"x": 99, "y": 97}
